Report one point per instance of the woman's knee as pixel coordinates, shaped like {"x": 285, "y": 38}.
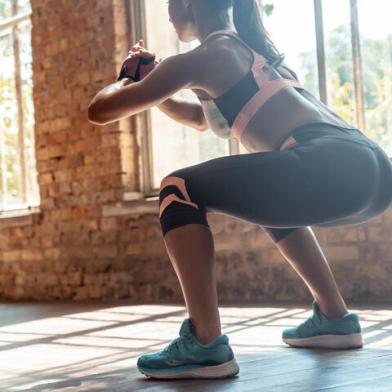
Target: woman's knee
{"x": 176, "y": 207}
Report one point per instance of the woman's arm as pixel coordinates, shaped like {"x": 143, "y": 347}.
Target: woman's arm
{"x": 117, "y": 101}
{"x": 185, "y": 112}
{"x": 111, "y": 88}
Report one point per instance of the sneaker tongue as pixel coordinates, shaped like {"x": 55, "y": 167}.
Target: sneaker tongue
{"x": 316, "y": 309}
{"x": 186, "y": 328}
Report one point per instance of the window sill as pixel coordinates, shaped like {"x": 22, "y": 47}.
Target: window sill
{"x": 134, "y": 203}
{"x": 21, "y": 217}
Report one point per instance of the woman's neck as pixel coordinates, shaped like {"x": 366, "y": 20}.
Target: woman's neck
{"x": 210, "y": 23}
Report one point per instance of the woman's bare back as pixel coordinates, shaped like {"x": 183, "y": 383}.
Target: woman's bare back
{"x": 286, "y": 110}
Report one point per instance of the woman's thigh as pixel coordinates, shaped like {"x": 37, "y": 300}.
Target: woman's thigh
{"x": 316, "y": 181}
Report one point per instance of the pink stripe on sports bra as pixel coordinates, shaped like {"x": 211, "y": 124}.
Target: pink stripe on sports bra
{"x": 258, "y": 100}
{"x": 267, "y": 87}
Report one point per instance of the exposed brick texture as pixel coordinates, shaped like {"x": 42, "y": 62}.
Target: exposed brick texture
{"x": 79, "y": 247}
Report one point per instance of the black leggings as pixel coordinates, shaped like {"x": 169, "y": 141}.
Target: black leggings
{"x": 332, "y": 177}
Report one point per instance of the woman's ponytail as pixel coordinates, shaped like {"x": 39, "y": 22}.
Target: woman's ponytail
{"x": 249, "y": 25}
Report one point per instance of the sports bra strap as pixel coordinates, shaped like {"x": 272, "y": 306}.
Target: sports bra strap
{"x": 228, "y": 32}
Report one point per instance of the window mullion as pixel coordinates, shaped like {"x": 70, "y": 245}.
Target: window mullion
{"x": 2, "y": 170}
{"x": 145, "y": 118}
{"x": 234, "y": 146}
{"x": 18, "y": 92}
{"x": 9, "y": 23}
{"x": 357, "y": 65}
{"x": 322, "y": 74}
{"x": 142, "y": 121}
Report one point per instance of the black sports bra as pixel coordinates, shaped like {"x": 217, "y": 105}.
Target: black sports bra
{"x": 231, "y": 112}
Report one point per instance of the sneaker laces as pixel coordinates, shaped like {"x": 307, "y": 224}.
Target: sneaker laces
{"x": 310, "y": 322}
{"x": 176, "y": 343}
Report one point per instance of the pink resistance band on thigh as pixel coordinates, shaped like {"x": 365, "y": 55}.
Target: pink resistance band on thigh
{"x": 180, "y": 184}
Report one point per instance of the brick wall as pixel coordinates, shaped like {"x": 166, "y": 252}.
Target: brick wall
{"x": 87, "y": 242}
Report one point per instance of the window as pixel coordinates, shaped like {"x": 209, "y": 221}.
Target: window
{"x": 342, "y": 57}
{"x": 173, "y": 145}
{"x": 18, "y": 178}
{"x": 375, "y": 35}
{"x": 341, "y": 51}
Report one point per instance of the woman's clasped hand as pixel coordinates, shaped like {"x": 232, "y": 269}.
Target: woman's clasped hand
{"x": 139, "y": 63}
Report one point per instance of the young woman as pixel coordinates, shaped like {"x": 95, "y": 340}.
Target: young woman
{"x": 306, "y": 166}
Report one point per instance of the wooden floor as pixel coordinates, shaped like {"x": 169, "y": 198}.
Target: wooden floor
{"x": 94, "y": 346}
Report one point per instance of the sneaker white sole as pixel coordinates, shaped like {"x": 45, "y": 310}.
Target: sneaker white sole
{"x": 328, "y": 341}
{"x": 227, "y": 369}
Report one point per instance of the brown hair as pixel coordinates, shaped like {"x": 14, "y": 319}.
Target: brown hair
{"x": 249, "y": 25}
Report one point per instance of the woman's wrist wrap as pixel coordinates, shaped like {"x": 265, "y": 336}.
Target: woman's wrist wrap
{"x": 136, "y": 68}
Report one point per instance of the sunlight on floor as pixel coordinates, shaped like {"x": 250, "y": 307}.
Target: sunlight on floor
{"x": 103, "y": 341}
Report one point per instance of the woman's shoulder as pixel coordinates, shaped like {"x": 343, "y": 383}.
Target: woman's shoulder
{"x": 220, "y": 57}
{"x": 223, "y": 47}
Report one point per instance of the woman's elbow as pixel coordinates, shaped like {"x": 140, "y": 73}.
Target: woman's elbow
{"x": 98, "y": 116}
{"x": 202, "y": 128}
{"x": 95, "y": 116}
{"x": 102, "y": 116}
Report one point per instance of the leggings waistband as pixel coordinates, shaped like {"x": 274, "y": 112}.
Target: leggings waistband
{"x": 319, "y": 127}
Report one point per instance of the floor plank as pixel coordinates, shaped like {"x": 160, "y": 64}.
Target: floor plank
{"x": 94, "y": 346}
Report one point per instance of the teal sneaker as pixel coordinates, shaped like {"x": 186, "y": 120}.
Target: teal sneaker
{"x": 320, "y": 331}
{"x": 185, "y": 357}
